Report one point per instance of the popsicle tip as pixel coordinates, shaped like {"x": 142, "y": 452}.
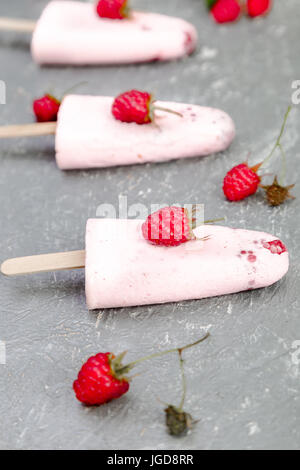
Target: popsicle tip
{"x": 6, "y": 268}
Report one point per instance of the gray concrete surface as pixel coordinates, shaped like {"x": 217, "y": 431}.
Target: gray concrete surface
{"x": 243, "y": 383}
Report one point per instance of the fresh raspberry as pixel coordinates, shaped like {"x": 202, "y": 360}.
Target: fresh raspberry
{"x": 113, "y": 9}
{"x": 137, "y": 106}
{"x": 46, "y": 108}
{"x": 98, "y": 382}
{"x": 258, "y": 7}
{"x": 170, "y": 226}
{"x": 240, "y": 182}
{"x": 225, "y": 11}
{"x": 276, "y": 247}
{"x": 133, "y": 106}
{"x": 102, "y": 378}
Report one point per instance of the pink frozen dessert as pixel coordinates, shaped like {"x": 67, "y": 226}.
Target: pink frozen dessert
{"x": 72, "y": 33}
{"x": 123, "y": 269}
{"x": 88, "y": 136}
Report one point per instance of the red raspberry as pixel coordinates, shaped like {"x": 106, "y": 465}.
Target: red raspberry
{"x": 225, "y": 11}
{"x": 133, "y": 106}
{"x": 102, "y": 378}
{"x": 169, "y": 226}
{"x": 113, "y": 9}
{"x": 258, "y": 7}
{"x": 97, "y": 381}
{"x": 46, "y": 108}
{"x": 240, "y": 182}
{"x": 137, "y": 106}
{"x": 276, "y": 247}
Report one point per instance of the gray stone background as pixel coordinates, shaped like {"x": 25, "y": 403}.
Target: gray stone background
{"x": 242, "y": 383}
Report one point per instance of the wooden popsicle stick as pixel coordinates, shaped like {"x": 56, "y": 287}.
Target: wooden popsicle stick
{"x": 44, "y": 263}
{"x": 28, "y": 130}
{"x": 11, "y": 24}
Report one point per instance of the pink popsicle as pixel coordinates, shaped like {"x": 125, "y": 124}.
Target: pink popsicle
{"x": 72, "y": 33}
{"x": 122, "y": 269}
{"x": 88, "y": 136}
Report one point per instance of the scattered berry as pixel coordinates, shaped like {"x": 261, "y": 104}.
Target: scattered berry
{"x": 258, "y": 7}
{"x": 136, "y": 106}
{"x": 46, "y": 108}
{"x": 170, "y": 226}
{"x": 102, "y": 378}
{"x": 277, "y": 194}
{"x": 240, "y": 182}
{"x": 275, "y": 246}
{"x": 99, "y": 380}
{"x": 225, "y": 11}
{"x": 113, "y": 9}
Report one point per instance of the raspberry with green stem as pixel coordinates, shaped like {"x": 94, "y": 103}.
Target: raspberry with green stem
{"x": 47, "y": 107}
{"x": 243, "y": 181}
{"x": 103, "y": 377}
{"x": 138, "y": 107}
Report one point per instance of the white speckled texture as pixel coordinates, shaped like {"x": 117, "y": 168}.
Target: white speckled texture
{"x": 72, "y": 33}
{"x": 88, "y": 135}
{"x": 242, "y": 383}
{"x": 122, "y": 269}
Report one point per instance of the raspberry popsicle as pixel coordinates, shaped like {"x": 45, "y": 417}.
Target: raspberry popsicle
{"x": 92, "y": 138}
{"x": 122, "y": 269}
{"x": 73, "y": 33}
{"x": 89, "y": 136}
{"x": 129, "y": 271}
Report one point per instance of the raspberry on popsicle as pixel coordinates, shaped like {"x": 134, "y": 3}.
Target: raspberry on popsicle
{"x": 137, "y": 106}
{"x": 88, "y": 134}
{"x": 113, "y": 9}
{"x": 83, "y": 33}
{"x": 123, "y": 270}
